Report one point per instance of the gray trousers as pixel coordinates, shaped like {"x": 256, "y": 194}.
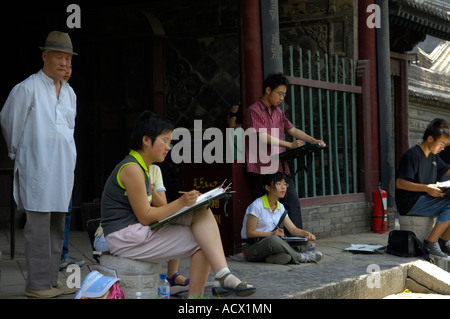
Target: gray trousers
{"x": 44, "y": 236}
{"x": 273, "y": 245}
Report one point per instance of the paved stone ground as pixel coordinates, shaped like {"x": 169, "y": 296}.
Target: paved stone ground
{"x": 272, "y": 281}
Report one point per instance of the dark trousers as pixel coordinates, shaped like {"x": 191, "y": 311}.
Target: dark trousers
{"x": 273, "y": 245}
{"x": 44, "y": 235}
{"x": 291, "y": 200}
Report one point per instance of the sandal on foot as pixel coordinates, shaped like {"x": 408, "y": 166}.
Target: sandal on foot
{"x": 241, "y": 290}
{"x": 172, "y": 282}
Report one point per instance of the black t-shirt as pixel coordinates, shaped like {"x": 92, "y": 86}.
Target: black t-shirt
{"x": 417, "y": 168}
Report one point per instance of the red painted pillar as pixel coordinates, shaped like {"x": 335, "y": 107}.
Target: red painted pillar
{"x": 251, "y": 90}
{"x": 367, "y": 51}
{"x": 251, "y": 52}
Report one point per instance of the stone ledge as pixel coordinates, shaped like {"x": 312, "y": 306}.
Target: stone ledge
{"x": 391, "y": 281}
{"x": 134, "y": 275}
{"x": 431, "y": 276}
{"x": 421, "y": 226}
{"x": 419, "y": 276}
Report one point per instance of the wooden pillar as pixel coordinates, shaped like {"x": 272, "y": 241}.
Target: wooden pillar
{"x": 270, "y": 26}
{"x": 364, "y": 129}
{"x": 386, "y": 112}
{"x": 401, "y": 104}
{"x": 251, "y": 90}
{"x": 251, "y": 52}
{"x": 367, "y": 51}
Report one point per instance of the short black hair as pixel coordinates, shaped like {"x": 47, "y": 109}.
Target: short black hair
{"x": 436, "y": 129}
{"x": 271, "y": 179}
{"x": 151, "y": 125}
{"x": 273, "y": 81}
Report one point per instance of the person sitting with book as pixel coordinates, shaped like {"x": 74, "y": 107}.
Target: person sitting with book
{"x": 416, "y": 191}
{"x": 262, "y": 229}
{"x": 126, "y": 216}
{"x": 177, "y": 282}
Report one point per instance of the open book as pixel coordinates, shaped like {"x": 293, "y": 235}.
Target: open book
{"x": 445, "y": 187}
{"x": 205, "y": 199}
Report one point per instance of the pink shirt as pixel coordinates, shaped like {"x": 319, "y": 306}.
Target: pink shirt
{"x": 258, "y": 117}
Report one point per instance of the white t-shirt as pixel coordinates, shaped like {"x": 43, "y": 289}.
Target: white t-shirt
{"x": 267, "y": 220}
{"x": 156, "y": 178}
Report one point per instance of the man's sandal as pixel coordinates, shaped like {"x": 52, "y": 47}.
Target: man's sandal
{"x": 241, "y": 290}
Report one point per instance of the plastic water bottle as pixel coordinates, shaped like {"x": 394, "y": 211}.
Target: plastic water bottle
{"x": 163, "y": 287}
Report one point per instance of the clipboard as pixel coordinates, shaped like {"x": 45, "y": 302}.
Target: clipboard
{"x": 295, "y": 239}
{"x": 205, "y": 199}
{"x": 299, "y": 151}
{"x": 286, "y": 238}
{"x": 300, "y": 154}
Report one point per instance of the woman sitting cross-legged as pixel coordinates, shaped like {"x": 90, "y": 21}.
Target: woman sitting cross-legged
{"x": 262, "y": 229}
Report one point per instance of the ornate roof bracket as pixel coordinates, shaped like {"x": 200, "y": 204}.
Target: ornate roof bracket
{"x": 424, "y": 16}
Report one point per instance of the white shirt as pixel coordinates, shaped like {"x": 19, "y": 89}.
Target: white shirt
{"x": 38, "y": 129}
{"x": 156, "y": 178}
{"x": 267, "y": 220}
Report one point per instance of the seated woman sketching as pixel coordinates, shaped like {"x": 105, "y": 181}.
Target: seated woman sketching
{"x": 262, "y": 229}
{"x": 127, "y": 213}
{"x": 177, "y": 281}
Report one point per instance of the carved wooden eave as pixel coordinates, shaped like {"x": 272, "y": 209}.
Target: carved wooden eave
{"x": 424, "y": 16}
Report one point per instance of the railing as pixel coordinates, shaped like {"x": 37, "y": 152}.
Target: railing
{"x": 321, "y": 102}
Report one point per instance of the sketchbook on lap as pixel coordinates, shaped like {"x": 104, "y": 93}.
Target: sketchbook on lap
{"x": 295, "y": 239}
{"x": 205, "y": 199}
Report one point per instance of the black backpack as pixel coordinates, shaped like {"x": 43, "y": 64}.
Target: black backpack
{"x": 404, "y": 243}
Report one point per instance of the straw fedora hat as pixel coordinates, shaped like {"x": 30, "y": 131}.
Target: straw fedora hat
{"x": 58, "y": 41}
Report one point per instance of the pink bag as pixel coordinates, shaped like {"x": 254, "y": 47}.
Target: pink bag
{"x": 116, "y": 292}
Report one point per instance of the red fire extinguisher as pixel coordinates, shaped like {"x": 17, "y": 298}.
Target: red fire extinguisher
{"x": 379, "y": 211}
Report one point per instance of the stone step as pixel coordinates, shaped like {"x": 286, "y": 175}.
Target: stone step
{"x": 430, "y": 276}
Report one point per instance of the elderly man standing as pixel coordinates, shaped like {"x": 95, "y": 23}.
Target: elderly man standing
{"x": 38, "y": 121}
